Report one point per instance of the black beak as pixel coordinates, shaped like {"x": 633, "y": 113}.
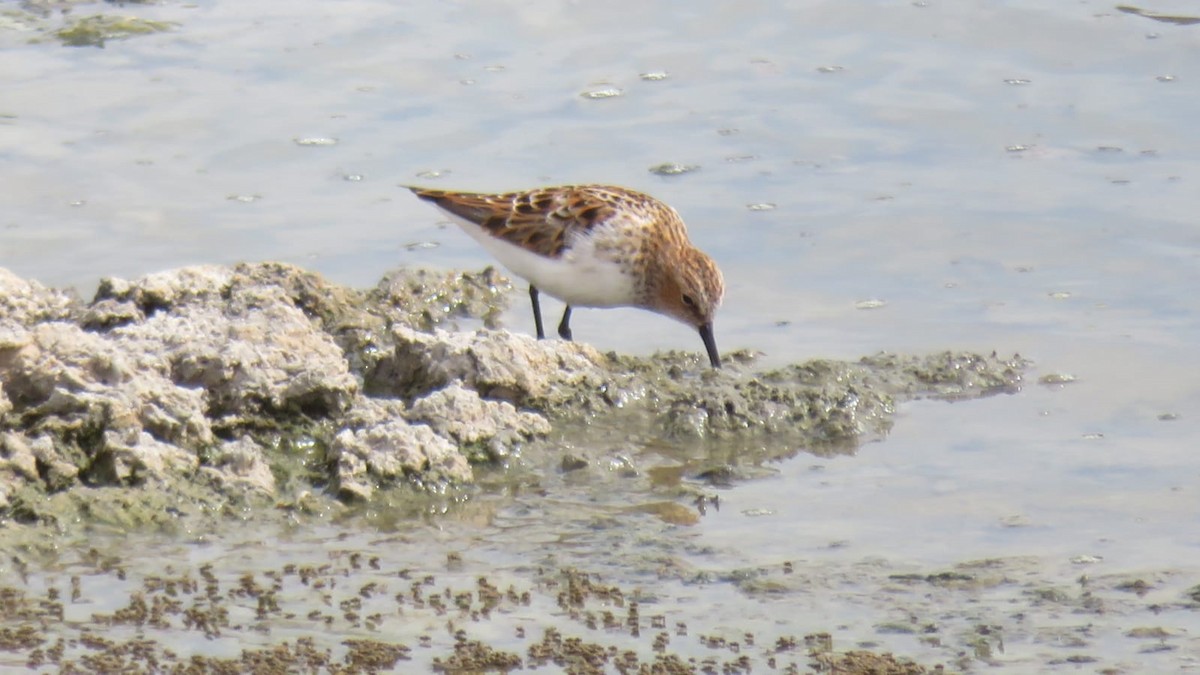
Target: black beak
{"x": 710, "y": 344}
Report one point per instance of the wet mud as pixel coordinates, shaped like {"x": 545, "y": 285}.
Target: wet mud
{"x": 183, "y": 395}
{"x": 177, "y": 408}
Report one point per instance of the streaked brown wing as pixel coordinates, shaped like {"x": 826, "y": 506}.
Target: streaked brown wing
{"x": 540, "y": 220}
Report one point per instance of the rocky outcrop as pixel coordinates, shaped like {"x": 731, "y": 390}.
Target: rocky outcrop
{"x": 198, "y": 389}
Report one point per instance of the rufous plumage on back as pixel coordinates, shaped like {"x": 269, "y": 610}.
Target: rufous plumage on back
{"x": 594, "y": 246}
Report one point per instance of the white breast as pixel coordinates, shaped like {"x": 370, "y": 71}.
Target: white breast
{"x": 579, "y": 277}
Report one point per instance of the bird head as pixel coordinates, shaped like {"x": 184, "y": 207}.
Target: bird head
{"x": 690, "y": 291}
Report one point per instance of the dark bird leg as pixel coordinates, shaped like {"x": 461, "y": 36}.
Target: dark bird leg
{"x": 564, "y": 327}
{"x": 537, "y": 311}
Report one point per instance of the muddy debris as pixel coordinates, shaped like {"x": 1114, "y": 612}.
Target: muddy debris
{"x": 360, "y": 620}
{"x": 208, "y": 390}
{"x": 70, "y": 25}
{"x": 858, "y": 661}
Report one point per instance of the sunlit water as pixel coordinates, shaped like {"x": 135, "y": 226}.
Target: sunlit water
{"x": 1017, "y": 176}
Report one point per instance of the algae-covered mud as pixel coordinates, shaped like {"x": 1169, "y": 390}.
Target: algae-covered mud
{"x": 357, "y": 609}
{"x": 177, "y": 395}
{"x": 250, "y": 469}
{"x": 188, "y": 401}
{"x": 71, "y": 23}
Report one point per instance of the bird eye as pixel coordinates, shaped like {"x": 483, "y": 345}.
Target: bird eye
{"x": 689, "y": 301}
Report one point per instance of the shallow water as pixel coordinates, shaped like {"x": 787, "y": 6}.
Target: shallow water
{"x": 1001, "y": 175}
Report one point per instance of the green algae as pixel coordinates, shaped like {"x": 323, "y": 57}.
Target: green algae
{"x": 96, "y": 30}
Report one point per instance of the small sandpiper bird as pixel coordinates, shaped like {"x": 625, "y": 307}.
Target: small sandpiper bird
{"x": 594, "y": 246}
